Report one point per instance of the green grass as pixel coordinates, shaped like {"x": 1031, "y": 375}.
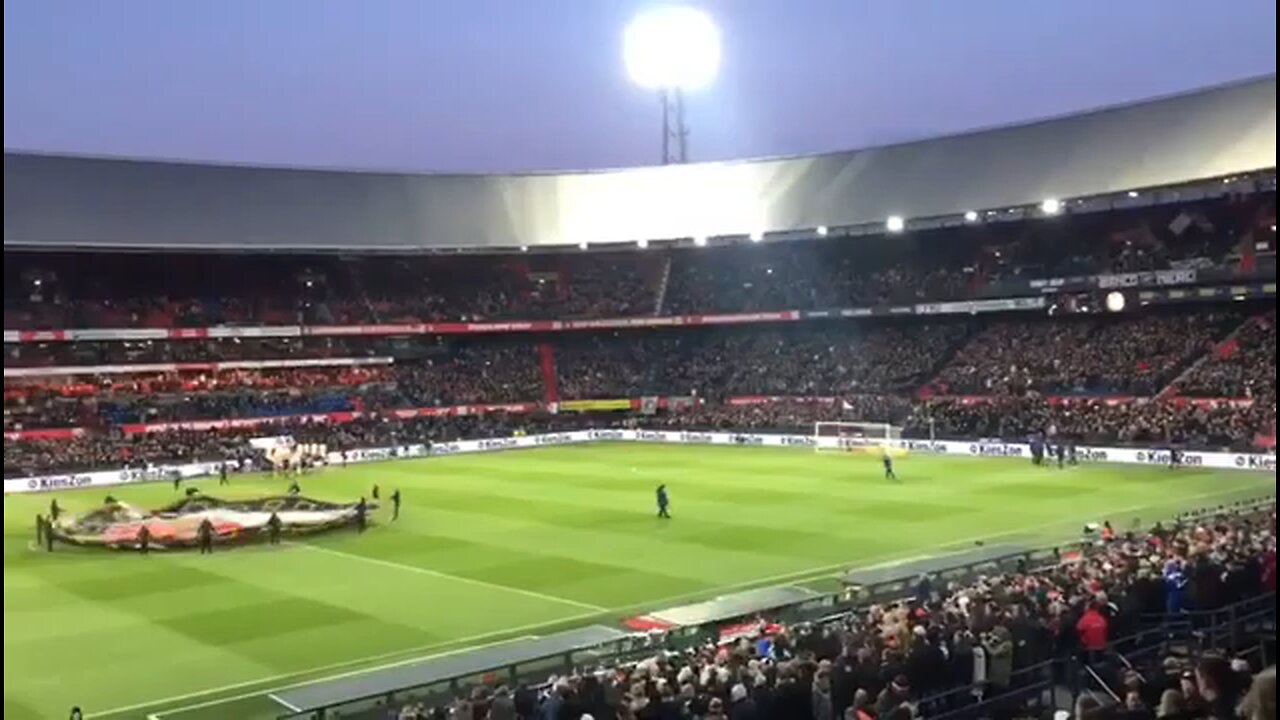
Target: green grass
{"x": 502, "y": 544}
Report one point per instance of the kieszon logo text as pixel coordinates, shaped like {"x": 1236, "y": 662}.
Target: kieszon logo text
{"x": 996, "y": 450}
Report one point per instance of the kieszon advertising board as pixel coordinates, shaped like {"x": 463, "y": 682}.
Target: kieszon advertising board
{"x": 1133, "y": 456}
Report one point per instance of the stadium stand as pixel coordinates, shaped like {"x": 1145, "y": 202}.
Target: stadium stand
{"x": 48, "y": 291}
{"x": 994, "y": 646}
{"x": 1100, "y": 379}
{"x": 1148, "y": 323}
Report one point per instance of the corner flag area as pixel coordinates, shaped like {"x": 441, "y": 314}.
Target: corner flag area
{"x": 495, "y": 547}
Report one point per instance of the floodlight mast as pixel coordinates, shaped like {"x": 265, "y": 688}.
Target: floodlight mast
{"x": 672, "y": 50}
{"x": 675, "y": 132}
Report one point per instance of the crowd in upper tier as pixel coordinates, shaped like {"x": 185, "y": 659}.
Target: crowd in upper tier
{"x": 953, "y": 645}
{"x": 156, "y": 290}
{"x": 898, "y": 369}
{"x": 1133, "y": 356}
{"x": 1092, "y": 355}
{"x": 970, "y": 377}
{"x": 1235, "y": 370}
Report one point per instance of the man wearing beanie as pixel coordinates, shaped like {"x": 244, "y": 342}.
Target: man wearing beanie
{"x": 741, "y": 706}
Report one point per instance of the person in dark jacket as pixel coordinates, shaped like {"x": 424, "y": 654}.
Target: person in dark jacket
{"x": 821, "y": 700}
{"x": 204, "y": 535}
{"x": 791, "y": 699}
{"x": 895, "y": 694}
{"x": 999, "y": 650}
{"x": 741, "y": 706}
{"x": 144, "y": 539}
{"x": 926, "y": 666}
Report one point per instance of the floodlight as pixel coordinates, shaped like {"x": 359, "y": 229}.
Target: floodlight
{"x": 700, "y": 240}
{"x": 895, "y": 223}
{"x": 672, "y": 48}
{"x": 582, "y": 245}
{"x": 822, "y": 230}
{"x": 971, "y": 216}
{"x": 1115, "y": 301}
{"x": 1133, "y": 193}
{"x": 642, "y": 243}
{"x": 1051, "y": 206}
{"x": 756, "y": 236}
{"x": 524, "y": 248}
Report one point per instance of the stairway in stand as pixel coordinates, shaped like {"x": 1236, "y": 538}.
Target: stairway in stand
{"x": 662, "y": 286}
{"x": 1169, "y": 390}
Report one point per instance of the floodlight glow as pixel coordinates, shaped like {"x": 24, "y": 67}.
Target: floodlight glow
{"x": 675, "y": 48}
{"x": 524, "y": 248}
{"x": 895, "y": 223}
{"x": 756, "y": 236}
{"x": 971, "y": 216}
{"x": 1115, "y": 301}
{"x": 642, "y": 243}
{"x": 700, "y": 241}
{"x": 1051, "y": 206}
{"x": 822, "y": 231}
{"x": 582, "y": 245}
{"x": 1133, "y": 193}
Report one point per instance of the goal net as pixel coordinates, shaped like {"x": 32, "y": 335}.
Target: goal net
{"x": 854, "y": 436}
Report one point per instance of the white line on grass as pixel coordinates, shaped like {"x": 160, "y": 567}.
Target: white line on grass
{"x": 447, "y": 576}
{"x": 807, "y": 574}
{"x": 332, "y": 666}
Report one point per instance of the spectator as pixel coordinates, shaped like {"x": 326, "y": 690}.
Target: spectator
{"x": 821, "y": 702}
{"x": 741, "y": 705}
{"x": 999, "y": 651}
{"x": 894, "y": 695}
{"x": 1092, "y": 629}
{"x": 1260, "y": 702}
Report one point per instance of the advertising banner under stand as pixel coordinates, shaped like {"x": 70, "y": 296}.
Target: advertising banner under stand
{"x": 981, "y": 448}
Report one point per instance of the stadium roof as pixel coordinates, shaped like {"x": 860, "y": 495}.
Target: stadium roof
{"x": 59, "y": 201}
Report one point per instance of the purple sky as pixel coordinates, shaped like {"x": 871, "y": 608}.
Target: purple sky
{"x": 486, "y": 85}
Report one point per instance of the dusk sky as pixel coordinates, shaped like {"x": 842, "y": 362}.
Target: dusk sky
{"x": 489, "y": 85}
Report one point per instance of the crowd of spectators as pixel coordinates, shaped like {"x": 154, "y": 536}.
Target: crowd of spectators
{"x": 471, "y": 373}
{"x": 112, "y": 449}
{"x": 1129, "y": 355}
{"x": 45, "y": 291}
{"x": 128, "y": 352}
{"x": 1168, "y": 422}
{"x": 1172, "y": 422}
{"x": 1006, "y": 378}
{"x": 953, "y": 644}
{"x": 805, "y": 360}
{"x": 792, "y": 415}
{"x": 1237, "y": 368}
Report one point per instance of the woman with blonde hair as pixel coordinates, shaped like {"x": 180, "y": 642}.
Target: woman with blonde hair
{"x": 1171, "y": 705}
{"x": 1260, "y": 702}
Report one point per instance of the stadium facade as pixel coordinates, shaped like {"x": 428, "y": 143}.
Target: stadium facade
{"x": 61, "y": 201}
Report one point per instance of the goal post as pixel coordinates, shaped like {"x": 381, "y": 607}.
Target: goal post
{"x": 842, "y": 436}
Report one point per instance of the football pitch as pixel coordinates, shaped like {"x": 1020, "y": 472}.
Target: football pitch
{"x": 497, "y": 545}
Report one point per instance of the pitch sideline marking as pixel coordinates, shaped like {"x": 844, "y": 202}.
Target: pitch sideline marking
{"x": 810, "y": 573}
{"x": 447, "y": 576}
{"x": 290, "y": 686}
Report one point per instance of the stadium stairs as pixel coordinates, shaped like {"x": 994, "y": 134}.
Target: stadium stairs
{"x": 928, "y": 378}
{"x": 1170, "y": 389}
{"x": 663, "y": 281}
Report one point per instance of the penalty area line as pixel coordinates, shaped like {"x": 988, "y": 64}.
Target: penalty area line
{"x": 448, "y": 576}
